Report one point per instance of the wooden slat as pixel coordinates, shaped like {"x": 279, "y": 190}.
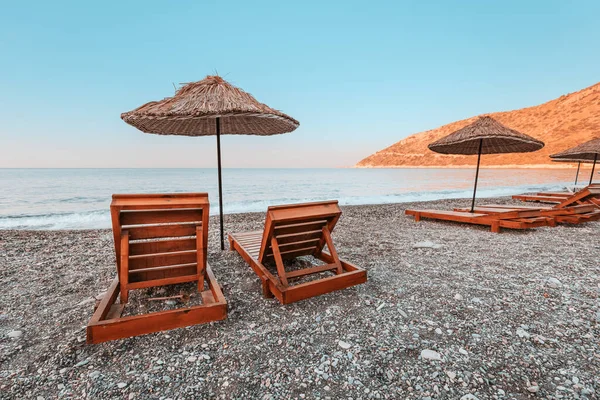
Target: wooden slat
{"x": 163, "y": 281}
{"x": 162, "y": 246}
{"x": 295, "y": 253}
{"x": 290, "y": 247}
{"x": 162, "y": 268}
{"x": 287, "y": 229}
{"x": 312, "y": 270}
{"x": 161, "y": 259}
{"x": 146, "y": 217}
{"x": 162, "y": 231}
{"x": 298, "y": 237}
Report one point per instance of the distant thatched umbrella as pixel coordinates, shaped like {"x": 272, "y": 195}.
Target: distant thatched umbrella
{"x": 485, "y": 136}
{"x": 208, "y": 107}
{"x": 586, "y": 151}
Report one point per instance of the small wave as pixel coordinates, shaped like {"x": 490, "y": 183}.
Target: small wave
{"x": 97, "y": 219}
{"x": 100, "y": 219}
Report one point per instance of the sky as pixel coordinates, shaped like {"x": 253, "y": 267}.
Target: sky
{"x": 359, "y": 76}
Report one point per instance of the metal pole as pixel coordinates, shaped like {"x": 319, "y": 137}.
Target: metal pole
{"x": 220, "y": 182}
{"x": 593, "y": 167}
{"x": 476, "y": 175}
{"x": 577, "y": 175}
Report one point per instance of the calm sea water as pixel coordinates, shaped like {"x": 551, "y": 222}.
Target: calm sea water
{"x": 80, "y": 198}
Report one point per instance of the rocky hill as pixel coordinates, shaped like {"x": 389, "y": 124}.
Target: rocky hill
{"x": 560, "y": 123}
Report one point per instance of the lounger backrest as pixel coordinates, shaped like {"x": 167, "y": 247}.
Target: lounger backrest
{"x": 585, "y": 194}
{"x": 298, "y": 228}
{"x": 162, "y": 232}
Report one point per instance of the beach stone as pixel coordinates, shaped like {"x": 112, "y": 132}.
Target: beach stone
{"x": 426, "y": 245}
{"x": 171, "y": 302}
{"x": 191, "y": 359}
{"x": 438, "y": 331}
{"x": 523, "y": 333}
{"x": 94, "y": 374}
{"x": 121, "y": 385}
{"x": 553, "y": 283}
{"x": 344, "y": 345}
{"x": 431, "y": 355}
{"x": 451, "y": 374}
{"x": 458, "y": 296}
{"x": 469, "y": 396}
{"x": 81, "y": 363}
{"x": 463, "y": 351}
{"x": 533, "y": 388}
{"x": 14, "y": 334}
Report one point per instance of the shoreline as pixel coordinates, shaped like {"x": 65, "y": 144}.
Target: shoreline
{"x": 481, "y": 300}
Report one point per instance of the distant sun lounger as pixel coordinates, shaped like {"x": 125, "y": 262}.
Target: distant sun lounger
{"x": 591, "y": 192}
{"x": 293, "y": 231}
{"x": 576, "y": 208}
{"x": 509, "y": 219}
{"x": 160, "y": 239}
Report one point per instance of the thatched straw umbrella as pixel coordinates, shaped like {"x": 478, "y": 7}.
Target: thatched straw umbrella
{"x": 485, "y": 136}
{"x": 586, "y": 151}
{"x": 209, "y": 107}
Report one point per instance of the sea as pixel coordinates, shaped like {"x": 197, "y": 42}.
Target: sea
{"x": 79, "y": 198}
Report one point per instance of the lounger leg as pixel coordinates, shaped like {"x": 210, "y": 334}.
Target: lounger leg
{"x": 496, "y": 227}
{"x": 417, "y": 217}
{"x": 332, "y": 250}
{"x": 124, "y": 268}
{"x": 230, "y": 242}
{"x": 265, "y": 288}
{"x": 200, "y": 258}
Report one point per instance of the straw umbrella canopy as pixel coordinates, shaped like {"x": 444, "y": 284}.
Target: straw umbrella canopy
{"x": 586, "y": 151}
{"x": 485, "y": 136}
{"x": 210, "y": 107}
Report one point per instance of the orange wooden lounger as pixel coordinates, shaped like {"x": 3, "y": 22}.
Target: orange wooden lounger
{"x": 514, "y": 219}
{"x": 567, "y": 215}
{"x": 554, "y": 197}
{"x": 292, "y": 231}
{"x": 160, "y": 239}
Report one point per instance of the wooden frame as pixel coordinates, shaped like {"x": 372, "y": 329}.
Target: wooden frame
{"x": 589, "y": 194}
{"x": 160, "y": 239}
{"x": 568, "y": 215}
{"x": 292, "y": 231}
{"x": 512, "y": 220}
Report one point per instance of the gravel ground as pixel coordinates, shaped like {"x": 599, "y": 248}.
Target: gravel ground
{"x": 471, "y": 314}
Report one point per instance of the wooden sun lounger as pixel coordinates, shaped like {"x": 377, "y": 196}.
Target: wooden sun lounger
{"x": 160, "y": 239}
{"x": 559, "y": 197}
{"x": 513, "y": 219}
{"x": 292, "y": 231}
{"x": 568, "y": 215}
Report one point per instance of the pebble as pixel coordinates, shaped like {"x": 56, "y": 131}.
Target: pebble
{"x": 121, "y": 385}
{"x": 458, "y": 296}
{"x": 554, "y": 283}
{"x": 81, "y": 363}
{"x": 523, "y": 333}
{"x": 469, "y": 396}
{"x": 533, "y": 388}
{"x": 426, "y": 245}
{"x": 344, "y": 345}
{"x": 438, "y": 331}
{"x": 14, "y": 334}
{"x": 451, "y": 374}
{"x": 191, "y": 359}
{"x": 170, "y": 302}
{"x": 431, "y": 355}
{"x": 94, "y": 374}
{"x": 463, "y": 351}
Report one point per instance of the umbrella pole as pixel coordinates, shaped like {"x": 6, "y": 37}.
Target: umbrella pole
{"x": 593, "y": 168}
{"x": 476, "y": 175}
{"x": 577, "y": 174}
{"x": 220, "y": 182}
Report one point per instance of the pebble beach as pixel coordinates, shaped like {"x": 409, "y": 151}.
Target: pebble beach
{"x": 450, "y": 311}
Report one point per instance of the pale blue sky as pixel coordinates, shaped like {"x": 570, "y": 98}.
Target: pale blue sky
{"x": 358, "y": 76}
